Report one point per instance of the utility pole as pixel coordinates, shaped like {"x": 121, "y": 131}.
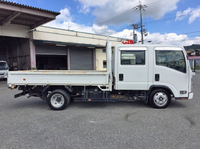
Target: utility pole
{"x": 133, "y": 34}
{"x": 141, "y": 7}
{"x": 135, "y": 26}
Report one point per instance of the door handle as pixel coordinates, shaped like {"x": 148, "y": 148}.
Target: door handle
{"x": 157, "y": 77}
{"x": 121, "y": 77}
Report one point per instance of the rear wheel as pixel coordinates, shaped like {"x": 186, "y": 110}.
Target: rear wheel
{"x": 159, "y": 98}
{"x": 58, "y": 99}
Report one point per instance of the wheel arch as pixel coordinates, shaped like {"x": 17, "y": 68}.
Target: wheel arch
{"x": 45, "y": 90}
{"x": 153, "y": 87}
{"x": 51, "y": 88}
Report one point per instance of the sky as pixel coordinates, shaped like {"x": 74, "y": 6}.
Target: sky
{"x": 175, "y": 22}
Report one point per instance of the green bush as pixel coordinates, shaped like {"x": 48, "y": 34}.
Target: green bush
{"x": 197, "y": 67}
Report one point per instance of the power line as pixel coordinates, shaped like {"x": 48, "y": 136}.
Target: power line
{"x": 117, "y": 17}
{"x": 156, "y": 3}
{"x": 184, "y": 40}
{"x": 175, "y": 28}
{"x": 129, "y": 12}
{"x": 192, "y": 32}
{"x": 194, "y": 36}
{"x": 140, "y": 7}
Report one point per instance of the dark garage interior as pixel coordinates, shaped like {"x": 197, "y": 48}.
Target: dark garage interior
{"x": 51, "y": 62}
{"x": 16, "y": 51}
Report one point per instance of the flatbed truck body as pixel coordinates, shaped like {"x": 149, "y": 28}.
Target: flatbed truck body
{"x": 59, "y": 77}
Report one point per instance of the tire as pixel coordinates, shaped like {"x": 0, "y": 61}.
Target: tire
{"x": 58, "y": 99}
{"x": 159, "y": 98}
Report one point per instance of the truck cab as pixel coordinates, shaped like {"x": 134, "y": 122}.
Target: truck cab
{"x": 3, "y": 70}
{"x": 160, "y": 69}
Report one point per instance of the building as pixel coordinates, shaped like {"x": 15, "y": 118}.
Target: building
{"x": 16, "y": 23}
{"x": 25, "y": 44}
{"x": 81, "y": 51}
{"x": 194, "y": 58}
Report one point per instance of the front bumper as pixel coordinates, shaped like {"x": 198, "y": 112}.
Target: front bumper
{"x": 3, "y": 76}
{"x": 190, "y": 95}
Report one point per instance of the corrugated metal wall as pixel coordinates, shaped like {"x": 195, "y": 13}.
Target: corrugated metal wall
{"x": 81, "y": 58}
{"x": 16, "y": 52}
{"x": 3, "y": 52}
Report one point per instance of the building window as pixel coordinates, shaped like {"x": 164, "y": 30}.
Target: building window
{"x": 104, "y": 50}
{"x": 104, "y": 64}
{"x": 132, "y": 57}
{"x": 171, "y": 59}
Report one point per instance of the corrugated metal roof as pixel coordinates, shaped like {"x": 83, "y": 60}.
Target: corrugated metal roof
{"x": 14, "y": 13}
{"x": 28, "y": 7}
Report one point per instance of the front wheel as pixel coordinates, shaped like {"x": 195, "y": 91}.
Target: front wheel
{"x": 159, "y": 98}
{"x": 58, "y": 99}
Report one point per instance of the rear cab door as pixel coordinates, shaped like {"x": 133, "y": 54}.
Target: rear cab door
{"x": 131, "y": 68}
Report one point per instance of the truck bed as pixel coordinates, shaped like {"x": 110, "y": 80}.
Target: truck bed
{"x": 58, "y": 77}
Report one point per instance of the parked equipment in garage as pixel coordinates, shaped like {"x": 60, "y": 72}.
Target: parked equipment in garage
{"x": 3, "y": 70}
{"x": 151, "y": 73}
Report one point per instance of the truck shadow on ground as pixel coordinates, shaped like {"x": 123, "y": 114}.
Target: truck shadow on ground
{"x": 135, "y": 104}
{"x": 29, "y": 104}
{"x": 36, "y": 103}
{"x": 177, "y": 104}
{"x": 106, "y": 104}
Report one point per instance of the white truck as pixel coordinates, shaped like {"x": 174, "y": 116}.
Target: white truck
{"x": 3, "y": 70}
{"x": 152, "y": 73}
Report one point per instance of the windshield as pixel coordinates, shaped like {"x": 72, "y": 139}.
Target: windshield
{"x": 3, "y": 66}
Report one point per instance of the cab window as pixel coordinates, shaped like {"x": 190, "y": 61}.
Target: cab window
{"x": 171, "y": 59}
{"x": 132, "y": 57}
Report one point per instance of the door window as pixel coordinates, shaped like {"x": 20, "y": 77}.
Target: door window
{"x": 132, "y": 57}
{"x": 171, "y": 59}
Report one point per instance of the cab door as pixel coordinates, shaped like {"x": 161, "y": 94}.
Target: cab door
{"x": 132, "y": 68}
{"x": 170, "y": 70}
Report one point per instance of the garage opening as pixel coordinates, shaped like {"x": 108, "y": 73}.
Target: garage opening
{"x": 51, "y": 62}
{"x": 51, "y": 57}
{"x": 16, "y": 52}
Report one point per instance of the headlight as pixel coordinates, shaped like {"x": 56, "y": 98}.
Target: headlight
{"x": 183, "y": 92}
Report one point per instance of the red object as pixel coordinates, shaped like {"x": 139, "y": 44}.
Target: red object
{"x": 127, "y": 42}
{"x": 193, "y": 57}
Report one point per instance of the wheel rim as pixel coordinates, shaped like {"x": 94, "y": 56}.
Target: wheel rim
{"x": 57, "y": 100}
{"x": 160, "y": 99}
